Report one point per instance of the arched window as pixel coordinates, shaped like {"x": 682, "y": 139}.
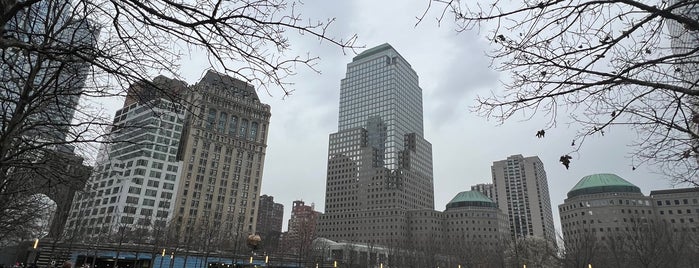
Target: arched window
{"x": 253, "y": 131}
{"x": 222, "y": 122}
{"x": 211, "y": 119}
{"x": 233, "y": 126}
{"x": 243, "y": 128}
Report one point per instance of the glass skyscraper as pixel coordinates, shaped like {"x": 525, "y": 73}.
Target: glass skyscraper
{"x": 379, "y": 164}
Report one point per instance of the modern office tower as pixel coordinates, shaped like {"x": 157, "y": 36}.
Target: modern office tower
{"x": 29, "y": 79}
{"x": 487, "y": 189}
{"x": 522, "y": 191}
{"x": 270, "y": 218}
{"x": 379, "y": 164}
{"x": 133, "y": 189}
{"x": 224, "y": 145}
{"x": 301, "y": 228}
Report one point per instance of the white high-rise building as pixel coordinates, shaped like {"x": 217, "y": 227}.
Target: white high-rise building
{"x": 134, "y": 187}
{"x": 522, "y": 192}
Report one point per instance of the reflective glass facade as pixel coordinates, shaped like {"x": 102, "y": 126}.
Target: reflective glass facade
{"x": 380, "y": 93}
{"x": 379, "y": 164}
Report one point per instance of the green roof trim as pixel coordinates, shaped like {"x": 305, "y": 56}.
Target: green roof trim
{"x": 470, "y": 199}
{"x": 602, "y": 183}
{"x": 372, "y": 51}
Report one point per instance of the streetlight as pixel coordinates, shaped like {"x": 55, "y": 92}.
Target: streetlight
{"x": 36, "y": 252}
{"x": 162, "y": 257}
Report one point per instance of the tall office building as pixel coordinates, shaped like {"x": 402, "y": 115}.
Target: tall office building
{"x": 134, "y": 185}
{"x": 522, "y": 192}
{"x": 53, "y": 85}
{"x": 379, "y": 164}
{"x": 223, "y": 149}
{"x": 270, "y": 218}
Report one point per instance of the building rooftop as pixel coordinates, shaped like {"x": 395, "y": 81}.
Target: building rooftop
{"x": 237, "y": 86}
{"x": 675, "y": 191}
{"x": 470, "y": 199}
{"x": 602, "y": 183}
{"x": 372, "y": 51}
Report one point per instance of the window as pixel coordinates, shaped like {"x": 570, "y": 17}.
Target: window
{"x": 243, "y": 128}
{"x": 146, "y": 212}
{"x": 222, "y": 120}
{"x": 151, "y": 192}
{"x": 162, "y": 214}
{"x": 127, "y": 220}
{"x": 233, "y": 126}
{"x": 148, "y": 202}
{"x": 211, "y": 119}
{"x": 171, "y": 168}
{"x": 253, "y": 131}
{"x": 154, "y": 174}
{"x": 130, "y": 210}
{"x": 153, "y": 183}
{"x": 131, "y": 200}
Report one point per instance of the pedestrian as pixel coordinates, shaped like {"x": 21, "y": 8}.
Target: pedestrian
{"x": 67, "y": 264}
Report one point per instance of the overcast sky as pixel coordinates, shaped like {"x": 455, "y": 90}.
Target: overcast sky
{"x": 453, "y": 70}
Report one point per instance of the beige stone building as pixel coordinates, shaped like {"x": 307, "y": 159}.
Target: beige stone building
{"x": 609, "y": 222}
{"x": 522, "y": 192}
{"x": 223, "y": 151}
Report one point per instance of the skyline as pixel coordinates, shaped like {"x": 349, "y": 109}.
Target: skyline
{"x": 444, "y": 60}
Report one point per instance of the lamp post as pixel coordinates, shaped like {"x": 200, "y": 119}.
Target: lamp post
{"x": 36, "y": 252}
{"x": 162, "y": 258}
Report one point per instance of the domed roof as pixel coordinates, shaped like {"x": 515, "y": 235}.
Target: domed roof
{"x": 470, "y": 199}
{"x": 602, "y": 183}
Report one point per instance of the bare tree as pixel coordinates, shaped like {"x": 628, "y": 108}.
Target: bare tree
{"x": 582, "y": 249}
{"x": 52, "y": 52}
{"x": 531, "y": 251}
{"x": 599, "y": 64}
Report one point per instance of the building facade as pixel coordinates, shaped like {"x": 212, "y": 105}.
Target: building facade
{"x": 521, "y": 191}
{"x": 270, "y": 218}
{"x": 132, "y": 188}
{"x": 608, "y": 221}
{"x": 379, "y": 164}
{"x": 301, "y": 229}
{"x": 471, "y": 232}
{"x": 223, "y": 150}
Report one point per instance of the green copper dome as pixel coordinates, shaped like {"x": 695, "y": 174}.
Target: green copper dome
{"x": 602, "y": 183}
{"x": 470, "y": 199}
